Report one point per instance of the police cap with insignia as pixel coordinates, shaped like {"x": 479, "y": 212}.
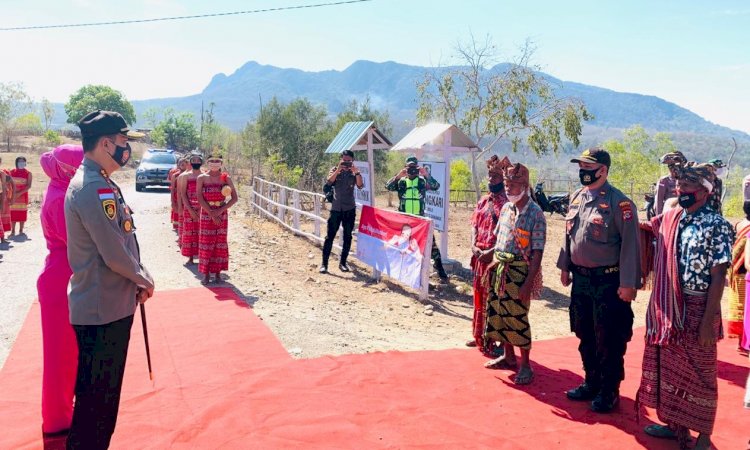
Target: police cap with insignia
{"x": 102, "y": 123}
{"x": 594, "y": 155}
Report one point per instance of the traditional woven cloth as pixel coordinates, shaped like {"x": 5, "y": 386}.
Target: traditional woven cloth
{"x": 20, "y": 206}
{"x": 5, "y": 212}
{"x": 213, "y": 248}
{"x": 736, "y": 277}
{"x": 507, "y": 316}
{"x": 484, "y": 221}
{"x": 190, "y": 227}
{"x": 679, "y": 380}
{"x": 175, "y": 215}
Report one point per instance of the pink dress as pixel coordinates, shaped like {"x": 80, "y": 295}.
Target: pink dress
{"x": 746, "y": 336}
{"x": 58, "y": 338}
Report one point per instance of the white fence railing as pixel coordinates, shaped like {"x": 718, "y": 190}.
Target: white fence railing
{"x": 304, "y": 216}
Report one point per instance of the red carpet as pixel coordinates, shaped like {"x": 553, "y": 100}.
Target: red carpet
{"x": 222, "y": 380}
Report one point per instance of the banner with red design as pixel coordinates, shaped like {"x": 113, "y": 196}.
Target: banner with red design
{"x": 393, "y": 243}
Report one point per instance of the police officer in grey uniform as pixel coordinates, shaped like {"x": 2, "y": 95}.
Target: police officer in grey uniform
{"x": 602, "y": 253}
{"x": 108, "y": 279}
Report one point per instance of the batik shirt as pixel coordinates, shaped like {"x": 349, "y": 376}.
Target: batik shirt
{"x": 485, "y": 218}
{"x": 704, "y": 240}
{"x": 520, "y": 232}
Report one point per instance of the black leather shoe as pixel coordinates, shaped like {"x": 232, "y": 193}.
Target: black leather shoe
{"x": 584, "y": 392}
{"x": 605, "y": 402}
{"x": 323, "y": 268}
{"x": 344, "y": 268}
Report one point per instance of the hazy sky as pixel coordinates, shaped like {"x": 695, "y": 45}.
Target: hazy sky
{"x": 692, "y": 52}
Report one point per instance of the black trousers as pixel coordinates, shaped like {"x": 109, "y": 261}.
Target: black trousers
{"x": 336, "y": 219}
{"x": 604, "y": 324}
{"x": 102, "y": 350}
{"x": 437, "y": 259}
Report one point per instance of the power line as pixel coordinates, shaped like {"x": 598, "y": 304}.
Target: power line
{"x": 198, "y": 16}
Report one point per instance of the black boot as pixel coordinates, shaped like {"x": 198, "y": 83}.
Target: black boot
{"x": 605, "y": 401}
{"x": 584, "y": 392}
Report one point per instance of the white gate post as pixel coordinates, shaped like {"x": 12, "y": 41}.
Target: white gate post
{"x": 281, "y": 213}
{"x": 295, "y": 217}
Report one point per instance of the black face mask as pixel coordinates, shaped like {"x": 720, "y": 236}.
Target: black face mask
{"x": 588, "y": 177}
{"x": 196, "y": 166}
{"x": 121, "y": 155}
{"x": 495, "y": 188}
{"x": 746, "y": 209}
{"x": 687, "y": 200}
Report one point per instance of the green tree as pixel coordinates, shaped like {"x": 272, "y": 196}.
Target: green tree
{"x": 515, "y": 103}
{"x": 635, "y": 158}
{"x": 14, "y": 103}
{"x": 29, "y": 123}
{"x": 176, "y": 131}
{"x": 296, "y": 135}
{"x": 92, "y": 97}
{"x": 361, "y": 112}
{"x": 460, "y": 175}
{"x": 48, "y": 111}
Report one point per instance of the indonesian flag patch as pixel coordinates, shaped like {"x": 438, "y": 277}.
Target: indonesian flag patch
{"x": 107, "y": 197}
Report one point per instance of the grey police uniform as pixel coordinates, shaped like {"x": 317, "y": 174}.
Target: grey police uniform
{"x": 102, "y": 249}
{"x": 602, "y": 251}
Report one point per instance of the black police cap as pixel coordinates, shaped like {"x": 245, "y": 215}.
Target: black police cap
{"x": 101, "y": 123}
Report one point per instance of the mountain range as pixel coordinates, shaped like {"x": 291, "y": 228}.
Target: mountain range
{"x": 391, "y": 87}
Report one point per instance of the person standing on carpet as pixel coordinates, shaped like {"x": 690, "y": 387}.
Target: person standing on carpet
{"x": 342, "y": 180}
{"x": 737, "y": 275}
{"x": 8, "y": 189}
{"x": 521, "y": 234}
{"x": 108, "y": 279}
{"x": 191, "y": 209}
{"x": 19, "y": 208}
{"x": 683, "y": 319}
{"x": 483, "y": 238}
{"x": 412, "y": 183}
{"x": 213, "y": 188}
{"x": 58, "y": 338}
{"x": 176, "y": 210}
{"x": 601, "y": 250}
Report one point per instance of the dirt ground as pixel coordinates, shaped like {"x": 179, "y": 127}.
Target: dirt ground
{"x": 312, "y": 314}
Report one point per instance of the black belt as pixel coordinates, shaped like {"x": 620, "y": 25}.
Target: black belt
{"x": 595, "y": 271}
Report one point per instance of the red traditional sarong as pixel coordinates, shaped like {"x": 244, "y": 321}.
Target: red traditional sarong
{"x": 175, "y": 215}
{"x": 190, "y": 227}
{"x": 484, "y": 220}
{"x": 5, "y": 211}
{"x": 679, "y": 380}
{"x": 736, "y": 275}
{"x": 20, "y": 206}
{"x": 214, "y": 250}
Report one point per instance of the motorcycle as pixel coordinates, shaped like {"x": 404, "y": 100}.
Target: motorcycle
{"x": 555, "y": 203}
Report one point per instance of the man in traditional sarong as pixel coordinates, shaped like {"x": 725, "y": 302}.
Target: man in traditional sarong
{"x": 483, "y": 238}
{"x": 601, "y": 251}
{"x": 666, "y": 187}
{"x": 737, "y": 275}
{"x": 683, "y": 320}
{"x": 213, "y": 188}
{"x": 176, "y": 210}
{"x": 520, "y": 237}
{"x": 191, "y": 209}
{"x": 20, "y": 206}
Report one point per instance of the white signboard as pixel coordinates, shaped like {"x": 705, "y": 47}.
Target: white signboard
{"x": 435, "y": 201}
{"x": 364, "y": 196}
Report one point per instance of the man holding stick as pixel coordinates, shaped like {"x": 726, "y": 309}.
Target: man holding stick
{"x": 108, "y": 279}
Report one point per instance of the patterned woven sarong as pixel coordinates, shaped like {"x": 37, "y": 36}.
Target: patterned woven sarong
{"x": 507, "y": 317}
{"x": 190, "y": 227}
{"x": 20, "y": 206}
{"x": 213, "y": 249}
{"x": 679, "y": 379}
{"x": 736, "y": 318}
{"x": 5, "y": 212}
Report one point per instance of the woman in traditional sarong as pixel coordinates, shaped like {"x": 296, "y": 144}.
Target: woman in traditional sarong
{"x": 484, "y": 221}
{"x": 190, "y": 223}
{"x": 9, "y": 189}
{"x": 176, "y": 211}
{"x": 213, "y": 188}
{"x": 20, "y": 205}
{"x": 737, "y": 274}
{"x": 58, "y": 338}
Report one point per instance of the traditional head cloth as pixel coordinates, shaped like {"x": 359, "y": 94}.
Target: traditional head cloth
{"x": 746, "y": 188}
{"x": 675, "y": 157}
{"x": 61, "y": 163}
{"x": 495, "y": 165}
{"x": 698, "y": 173}
{"x": 517, "y": 173}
